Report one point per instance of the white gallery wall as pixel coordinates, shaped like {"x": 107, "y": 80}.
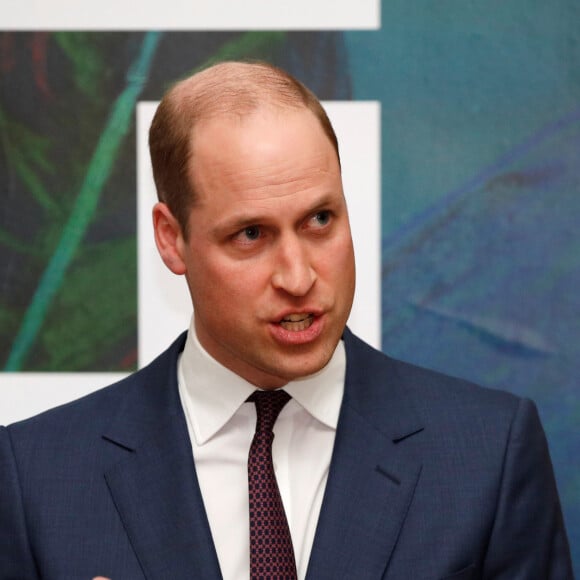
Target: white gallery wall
{"x": 189, "y": 15}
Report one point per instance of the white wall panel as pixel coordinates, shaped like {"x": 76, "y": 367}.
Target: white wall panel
{"x": 190, "y": 15}
{"x": 164, "y": 303}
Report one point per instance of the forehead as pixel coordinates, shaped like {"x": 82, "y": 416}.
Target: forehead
{"x": 270, "y": 152}
{"x": 269, "y": 122}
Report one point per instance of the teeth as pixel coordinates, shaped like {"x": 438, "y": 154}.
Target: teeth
{"x": 295, "y": 317}
{"x": 297, "y": 322}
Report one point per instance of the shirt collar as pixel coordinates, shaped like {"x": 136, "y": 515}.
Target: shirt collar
{"x": 211, "y": 393}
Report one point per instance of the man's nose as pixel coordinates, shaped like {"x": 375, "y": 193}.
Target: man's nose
{"x": 293, "y": 271}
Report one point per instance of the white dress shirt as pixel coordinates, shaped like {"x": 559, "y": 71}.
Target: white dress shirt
{"x": 221, "y": 427}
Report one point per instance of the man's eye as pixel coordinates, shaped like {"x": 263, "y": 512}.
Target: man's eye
{"x": 322, "y": 217}
{"x": 251, "y": 233}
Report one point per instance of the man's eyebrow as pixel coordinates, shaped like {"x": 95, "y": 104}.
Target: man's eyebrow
{"x": 237, "y": 223}
{"x": 324, "y": 202}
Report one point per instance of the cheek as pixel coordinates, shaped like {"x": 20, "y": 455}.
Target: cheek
{"x": 339, "y": 260}
{"x": 226, "y": 282}
{"x": 206, "y": 282}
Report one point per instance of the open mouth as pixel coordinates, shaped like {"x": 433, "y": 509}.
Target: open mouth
{"x": 297, "y": 322}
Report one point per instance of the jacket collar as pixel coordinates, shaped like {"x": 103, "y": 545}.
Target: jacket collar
{"x": 372, "y": 478}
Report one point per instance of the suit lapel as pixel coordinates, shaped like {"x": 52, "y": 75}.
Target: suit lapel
{"x": 154, "y": 485}
{"x": 370, "y": 486}
{"x": 372, "y": 475}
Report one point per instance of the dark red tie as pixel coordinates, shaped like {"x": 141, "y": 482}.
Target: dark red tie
{"x": 271, "y": 551}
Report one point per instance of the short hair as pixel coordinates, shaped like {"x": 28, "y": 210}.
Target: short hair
{"x": 227, "y": 88}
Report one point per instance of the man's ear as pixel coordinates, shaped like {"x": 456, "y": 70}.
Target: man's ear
{"x": 169, "y": 238}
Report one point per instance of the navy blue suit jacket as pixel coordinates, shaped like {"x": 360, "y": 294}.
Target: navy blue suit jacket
{"x": 431, "y": 478}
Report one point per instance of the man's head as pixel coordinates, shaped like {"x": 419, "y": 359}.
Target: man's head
{"x": 228, "y": 88}
{"x": 265, "y": 244}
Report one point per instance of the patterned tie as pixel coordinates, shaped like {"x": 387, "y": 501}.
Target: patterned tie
{"x": 271, "y": 551}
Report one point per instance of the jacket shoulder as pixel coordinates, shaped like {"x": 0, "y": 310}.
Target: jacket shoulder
{"x": 430, "y": 392}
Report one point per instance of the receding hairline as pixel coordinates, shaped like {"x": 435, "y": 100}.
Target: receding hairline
{"x": 227, "y": 89}
{"x": 237, "y": 88}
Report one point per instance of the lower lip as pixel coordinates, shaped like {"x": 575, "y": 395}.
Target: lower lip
{"x": 297, "y": 337}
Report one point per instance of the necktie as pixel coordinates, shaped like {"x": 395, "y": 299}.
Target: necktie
{"x": 271, "y": 551}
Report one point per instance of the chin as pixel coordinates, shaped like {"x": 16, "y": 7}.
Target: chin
{"x": 307, "y": 369}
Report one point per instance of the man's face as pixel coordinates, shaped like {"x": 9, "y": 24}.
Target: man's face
{"x": 269, "y": 261}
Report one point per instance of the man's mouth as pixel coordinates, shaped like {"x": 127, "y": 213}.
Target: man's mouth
{"x": 297, "y": 322}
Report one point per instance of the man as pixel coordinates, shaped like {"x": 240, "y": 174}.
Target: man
{"x": 385, "y": 470}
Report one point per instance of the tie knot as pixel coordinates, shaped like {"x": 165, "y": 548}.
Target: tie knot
{"x": 268, "y": 407}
